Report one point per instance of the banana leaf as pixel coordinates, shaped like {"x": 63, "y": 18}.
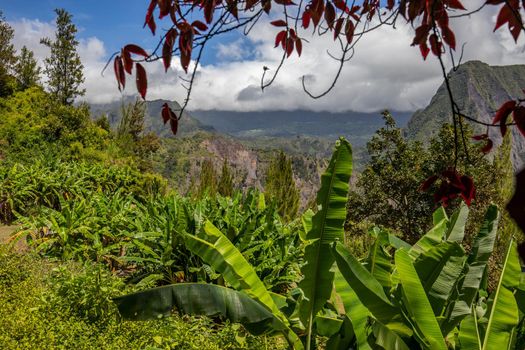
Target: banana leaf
{"x": 199, "y": 299}
{"x": 469, "y": 338}
{"x": 456, "y": 229}
{"x": 504, "y": 314}
{"x": 460, "y": 302}
{"x": 356, "y": 312}
{"x": 219, "y": 252}
{"x": 369, "y": 291}
{"x": 430, "y": 239}
{"x": 327, "y": 227}
{"x": 439, "y": 270}
{"x": 387, "y": 339}
{"x": 417, "y": 304}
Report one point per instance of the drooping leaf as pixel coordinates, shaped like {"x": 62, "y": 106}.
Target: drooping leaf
{"x": 142, "y": 80}
{"x": 199, "y": 299}
{"x": 135, "y": 49}
{"x": 417, "y": 302}
{"x": 369, "y": 291}
{"x": 118, "y": 67}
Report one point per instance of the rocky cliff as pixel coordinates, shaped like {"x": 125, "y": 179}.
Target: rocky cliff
{"x": 479, "y": 90}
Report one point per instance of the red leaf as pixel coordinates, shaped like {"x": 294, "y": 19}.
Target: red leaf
{"x": 150, "y": 21}
{"x": 488, "y": 146}
{"x": 164, "y": 7}
{"x": 306, "y": 19}
{"x": 469, "y": 191}
{"x": 118, "y": 67}
{"x": 298, "y": 46}
{"x": 127, "y": 61}
{"x": 449, "y": 37}
{"x": 278, "y": 23}
{"x": 142, "y": 81}
{"x": 516, "y": 205}
{"x": 424, "y": 50}
{"x": 338, "y": 26}
{"x": 266, "y": 6}
{"x": 390, "y": 4}
{"x": 250, "y": 4}
{"x": 289, "y": 46}
{"x": 519, "y": 118}
{"x": 199, "y": 25}
{"x": 435, "y": 45}
{"x": 329, "y": 15}
{"x": 421, "y": 34}
{"x": 504, "y": 15}
{"x": 349, "y": 31}
{"x": 455, "y": 4}
{"x": 428, "y": 182}
{"x": 293, "y": 35}
{"x": 480, "y": 137}
{"x": 174, "y": 123}
{"x": 166, "y": 113}
{"x": 167, "y": 49}
{"x": 280, "y": 38}
{"x": 185, "y": 58}
{"x": 135, "y": 49}
{"x": 504, "y": 110}
{"x": 209, "y": 7}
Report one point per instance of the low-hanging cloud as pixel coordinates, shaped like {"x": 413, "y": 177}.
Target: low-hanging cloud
{"x": 384, "y": 72}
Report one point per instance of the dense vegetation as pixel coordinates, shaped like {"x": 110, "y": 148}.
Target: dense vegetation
{"x": 102, "y": 239}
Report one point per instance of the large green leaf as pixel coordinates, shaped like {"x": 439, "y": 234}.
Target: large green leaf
{"x": 327, "y": 227}
{"x": 202, "y": 299}
{"x": 461, "y": 300}
{"x": 356, "y": 312}
{"x": 220, "y": 253}
{"x": 387, "y": 339}
{"x": 378, "y": 261}
{"x": 469, "y": 333}
{"x": 504, "y": 315}
{"x": 438, "y": 270}
{"x": 369, "y": 291}
{"x": 430, "y": 239}
{"x": 417, "y": 304}
{"x": 456, "y": 229}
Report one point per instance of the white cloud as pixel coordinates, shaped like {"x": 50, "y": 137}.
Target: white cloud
{"x": 385, "y": 72}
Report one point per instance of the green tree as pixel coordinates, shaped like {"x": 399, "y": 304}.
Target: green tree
{"x": 132, "y": 120}
{"x": 64, "y": 68}
{"x": 7, "y": 57}
{"x": 208, "y": 179}
{"x": 387, "y": 192}
{"x": 280, "y": 186}
{"x": 225, "y": 186}
{"x": 26, "y": 71}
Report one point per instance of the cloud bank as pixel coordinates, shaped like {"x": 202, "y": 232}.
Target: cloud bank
{"x": 385, "y": 71}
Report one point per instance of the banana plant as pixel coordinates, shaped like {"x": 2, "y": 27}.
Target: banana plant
{"x": 217, "y": 250}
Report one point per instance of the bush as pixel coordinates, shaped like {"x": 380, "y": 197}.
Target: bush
{"x": 50, "y": 305}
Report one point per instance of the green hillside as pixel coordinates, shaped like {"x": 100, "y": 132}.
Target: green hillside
{"x": 479, "y": 90}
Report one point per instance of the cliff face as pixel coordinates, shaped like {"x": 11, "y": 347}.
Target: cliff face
{"x": 180, "y": 161}
{"x": 479, "y": 90}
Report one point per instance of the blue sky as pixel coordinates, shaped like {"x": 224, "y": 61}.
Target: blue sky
{"x": 385, "y": 72}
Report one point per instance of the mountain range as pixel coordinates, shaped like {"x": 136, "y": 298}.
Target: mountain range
{"x": 479, "y": 90}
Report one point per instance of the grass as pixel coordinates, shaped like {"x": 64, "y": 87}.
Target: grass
{"x": 64, "y": 305}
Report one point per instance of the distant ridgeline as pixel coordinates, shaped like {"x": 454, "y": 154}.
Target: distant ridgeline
{"x": 479, "y": 90}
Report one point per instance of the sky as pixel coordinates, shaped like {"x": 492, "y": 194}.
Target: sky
{"x": 384, "y": 72}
